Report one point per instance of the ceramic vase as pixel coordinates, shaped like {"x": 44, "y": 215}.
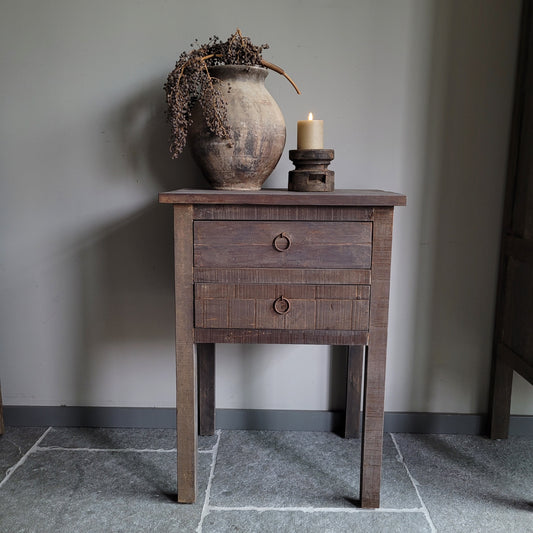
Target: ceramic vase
{"x": 257, "y": 131}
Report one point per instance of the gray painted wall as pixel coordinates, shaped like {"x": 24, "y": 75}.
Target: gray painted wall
{"x": 416, "y": 97}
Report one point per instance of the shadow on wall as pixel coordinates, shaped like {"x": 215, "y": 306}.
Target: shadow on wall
{"x": 126, "y": 293}
{"x": 467, "y": 123}
{"x": 137, "y": 144}
{"x": 126, "y": 265}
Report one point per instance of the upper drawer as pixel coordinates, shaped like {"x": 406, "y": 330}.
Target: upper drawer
{"x": 226, "y": 243}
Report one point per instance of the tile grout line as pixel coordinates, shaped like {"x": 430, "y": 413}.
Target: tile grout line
{"x": 347, "y": 510}
{"x": 205, "y": 507}
{"x": 415, "y": 485}
{"x": 22, "y": 460}
{"x": 124, "y": 450}
{"x": 73, "y": 449}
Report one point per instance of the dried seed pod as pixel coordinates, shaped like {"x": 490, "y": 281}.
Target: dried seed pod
{"x": 190, "y": 82}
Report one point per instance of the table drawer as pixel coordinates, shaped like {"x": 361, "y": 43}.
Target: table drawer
{"x": 308, "y": 307}
{"x": 285, "y": 244}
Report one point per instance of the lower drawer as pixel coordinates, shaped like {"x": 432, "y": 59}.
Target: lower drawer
{"x": 271, "y": 306}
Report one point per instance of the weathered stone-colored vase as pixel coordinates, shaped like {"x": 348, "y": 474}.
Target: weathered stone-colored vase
{"x": 257, "y": 131}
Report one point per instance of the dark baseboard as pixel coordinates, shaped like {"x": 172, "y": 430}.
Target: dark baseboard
{"x": 119, "y": 417}
{"x": 253, "y": 419}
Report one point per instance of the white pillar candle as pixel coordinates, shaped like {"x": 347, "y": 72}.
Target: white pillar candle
{"x": 310, "y": 134}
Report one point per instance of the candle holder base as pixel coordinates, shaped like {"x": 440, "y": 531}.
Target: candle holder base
{"x": 311, "y": 173}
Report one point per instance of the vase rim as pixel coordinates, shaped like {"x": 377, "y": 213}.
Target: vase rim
{"x": 259, "y": 67}
{"x": 256, "y": 70}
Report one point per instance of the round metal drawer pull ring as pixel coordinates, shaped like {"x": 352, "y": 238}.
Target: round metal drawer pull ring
{"x": 282, "y": 237}
{"x": 282, "y": 306}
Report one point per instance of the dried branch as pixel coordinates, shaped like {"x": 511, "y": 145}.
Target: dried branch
{"x": 279, "y": 70}
{"x": 190, "y": 82}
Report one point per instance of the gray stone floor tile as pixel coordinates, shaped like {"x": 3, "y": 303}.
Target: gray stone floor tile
{"x": 14, "y": 443}
{"x": 263, "y": 482}
{"x": 318, "y": 522}
{"x": 301, "y": 469}
{"x": 74, "y": 491}
{"x": 207, "y": 443}
{"x": 471, "y": 483}
{"x": 119, "y": 438}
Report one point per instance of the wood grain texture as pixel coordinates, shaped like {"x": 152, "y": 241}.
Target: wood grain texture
{"x": 276, "y": 212}
{"x": 318, "y": 276}
{"x": 310, "y": 307}
{"x": 231, "y": 244}
{"x": 244, "y": 291}
{"x": 354, "y": 375}
{"x": 374, "y": 386}
{"x": 206, "y": 388}
{"x": 186, "y": 392}
{"x": 341, "y": 197}
{"x": 280, "y": 336}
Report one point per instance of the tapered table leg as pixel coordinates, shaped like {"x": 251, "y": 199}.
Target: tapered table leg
{"x": 372, "y": 441}
{"x": 374, "y": 378}
{"x": 186, "y": 378}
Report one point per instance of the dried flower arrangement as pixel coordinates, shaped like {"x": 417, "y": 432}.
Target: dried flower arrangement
{"x": 190, "y": 82}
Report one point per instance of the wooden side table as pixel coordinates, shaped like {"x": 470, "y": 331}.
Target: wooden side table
{"x": 280, "y": 267}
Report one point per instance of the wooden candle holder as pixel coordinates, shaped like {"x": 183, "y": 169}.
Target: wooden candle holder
{"x": 311, "y": 173}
